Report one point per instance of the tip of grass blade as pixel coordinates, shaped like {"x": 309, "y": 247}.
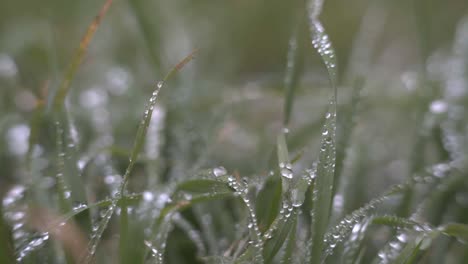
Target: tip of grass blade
{"x": 180, "y": 65}
{"x": 64, "y": 87}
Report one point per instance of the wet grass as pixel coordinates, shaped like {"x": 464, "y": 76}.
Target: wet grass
{"x": 174, "y": 182}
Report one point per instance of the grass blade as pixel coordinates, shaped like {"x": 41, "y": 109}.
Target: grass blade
{"x": 64, "y": 87}
{"x": 273, "y": 245}
{"x": 460, "y": 231}
{"x": 139, "y": 142}
{"x": 327, "y": 156}
{"x": 137, "y": 147}
{"x": 268, "y": 202}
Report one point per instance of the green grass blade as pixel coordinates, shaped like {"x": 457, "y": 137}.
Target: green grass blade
{"x": 268, "y": 202}
{"x": 291, "y": 244}
{"x": 338, "y": 233}
{"x": 64, "y": 87}
{"x": 277, "y": 238}
{"x": 69, "y": 180}
{"x": 457, "y": 230}
{"x": 327, "y": 155}
{"x": 138, "y": 144}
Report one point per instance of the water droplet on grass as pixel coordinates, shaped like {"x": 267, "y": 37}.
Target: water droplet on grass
{"x": 219, "y": 171}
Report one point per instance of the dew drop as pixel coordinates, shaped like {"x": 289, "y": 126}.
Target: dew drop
{"x": 219, "y": 171}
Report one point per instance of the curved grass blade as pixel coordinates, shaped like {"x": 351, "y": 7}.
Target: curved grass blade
{"x": 137, "y": 146}
{"x": 354, "y": 247}
{"x": 338, "y": 233}
{"x": 291, "y": 245}
{"x": 327, "y": 156}
{"x": 186, "y": 195}
{"x": 278, "y": 238}
{"x": 64, "y": 87}
{"x": 457, "y": 230}
{"x": 71, "y": 188}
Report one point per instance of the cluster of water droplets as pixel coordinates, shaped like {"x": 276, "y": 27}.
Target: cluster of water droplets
{"x": 98, "y": 230}
{"x": 158, "y": 256}
{"x": 286, "y": 211}
{"x": 352, "y": 245}
{"x": 320, "y": 39}
{"x": 63, "y": 190}
{"x": 242, "y": 190}
{"x": 434, "y": 173}
{"x": 418, "y": 235}
{"x": 160, "y": 240}
{"x": 286, "y": 170}
{"x": 345, "y": 227}
{"x": 32, "y": 245}
{"x": 15, "y": 214}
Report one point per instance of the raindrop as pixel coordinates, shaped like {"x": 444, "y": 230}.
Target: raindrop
{"x": 219, "y": 171}
{"x": 78, "y": 206}
{"x": 286, "y": 170}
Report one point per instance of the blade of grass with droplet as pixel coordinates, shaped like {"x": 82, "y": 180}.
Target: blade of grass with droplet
{"x": 338, "y": 233}
{"x": 6, "y": 241}
{"x": 68, "y": 160}
{"x": 457, "y": 230}
{"x": 326, "y": 165}
{"x": 139, "y": 142}
{"x": 201, "y": 186}
{"x": 64, "y": 87}
{"x": 36, "y": 122}
{"x": 63, "y": 189}
{"x": 354, "y": 246}
{"x": 273, "y": 245}
{"x": 77, "y": 193}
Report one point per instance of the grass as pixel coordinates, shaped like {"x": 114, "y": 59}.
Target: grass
{"x": 199, "y": 177}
